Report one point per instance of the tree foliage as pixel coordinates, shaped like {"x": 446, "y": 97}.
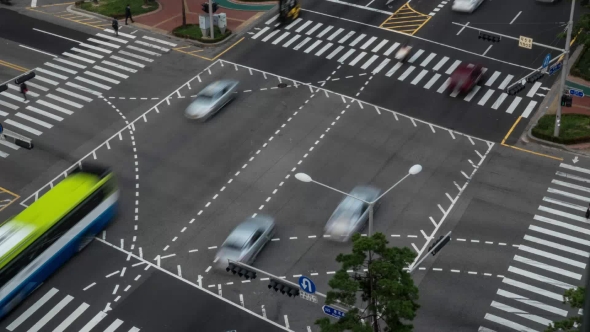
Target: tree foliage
{"x": 575, "y": 298}
{"x": 387, "y": 292}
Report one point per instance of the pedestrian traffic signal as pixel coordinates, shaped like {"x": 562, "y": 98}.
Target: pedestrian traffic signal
{"x": 284, "y": 287}
{"x": 487, "y": 37}
{"x": 205, "y": 7}
{"x": 24, "y": 78}
{"x": 3, "y": 88}
{"x": 566, "y": 100}
{"x": 515, "y": 89}
{"x": 535, "y": 77}
{"x": 241, "y": 271}
{"x": 441, "y": 242}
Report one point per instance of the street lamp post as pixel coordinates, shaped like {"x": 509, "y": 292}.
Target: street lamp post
{"x": 413, "y": 171}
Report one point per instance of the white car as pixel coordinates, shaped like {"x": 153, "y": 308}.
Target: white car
{"x": 466, "y": 6}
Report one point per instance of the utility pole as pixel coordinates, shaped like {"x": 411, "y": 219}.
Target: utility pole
{"x": 211, "y": 18}
{"x": 565, "y": 69}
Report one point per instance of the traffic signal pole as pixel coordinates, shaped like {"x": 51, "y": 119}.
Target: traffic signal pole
{"x": 211, "y": 19}
{"x": 435, "y": 247}
{"x": 564, "y": 71}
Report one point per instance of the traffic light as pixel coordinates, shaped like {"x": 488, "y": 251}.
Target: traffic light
{"x": 24, "y": 78}
{"x": 3, "y": 88}
{"x": 284, "y": 287}
{"x": 241, "y": 271}
{"x": 535, "y": 77}
{"x": 515, "y": 89}
{"x": 487, "y": 37}
{"x": 442, "y": 240}
{"x": 205, "y": 7}
{"x": 566, "y": 100}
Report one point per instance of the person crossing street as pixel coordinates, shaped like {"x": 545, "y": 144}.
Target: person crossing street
{"x": 115, "y": 25}
{"x": 128, "y": 15}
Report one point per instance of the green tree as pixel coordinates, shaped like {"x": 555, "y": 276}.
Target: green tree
{"x": 386, "y": 291}
{"x": 575, "y": 298}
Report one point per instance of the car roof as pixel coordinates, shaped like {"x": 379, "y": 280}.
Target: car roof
{"x": 215, "y": 87}
{"x": 244, "y": 230}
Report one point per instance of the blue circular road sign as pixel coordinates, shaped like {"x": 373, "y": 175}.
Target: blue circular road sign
{"x": 306, "y": 285}
{"x": 546, "y": 61}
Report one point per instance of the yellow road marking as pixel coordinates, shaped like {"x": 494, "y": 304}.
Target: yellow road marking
{"x": 179, "y": 49}
{"x": 406, "y": 20}
{"x": 521, "y": 149}
{"x": 57, "y": 4}
{"x": 16, "y": 197}
{"x": 65, "y": 18}
{"x": 13, "y": 66}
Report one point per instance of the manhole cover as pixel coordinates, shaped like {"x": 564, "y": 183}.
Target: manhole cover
{"x": 282, "y": 85}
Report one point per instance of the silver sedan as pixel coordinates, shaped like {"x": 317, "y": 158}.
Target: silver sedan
{"x": 211, "y": 100}
{"x": 246, "y": 241}
{"x": 351, "y": 215}
{"x": 467, "y": 6}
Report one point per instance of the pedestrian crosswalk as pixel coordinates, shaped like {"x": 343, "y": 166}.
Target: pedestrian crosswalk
{"x": 550, "y": 260}
{"x": 427, "y": 69}
{"x": 77, "y": 77}
{"x": 58, "y": 312}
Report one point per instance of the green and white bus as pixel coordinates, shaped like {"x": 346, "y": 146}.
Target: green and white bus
{"x": 40, "y": 239}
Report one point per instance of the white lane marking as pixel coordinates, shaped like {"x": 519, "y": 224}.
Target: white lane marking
{"x": 104, "y": 78}
{"x": 163, "y": 49}
{"x": 505, "y": 82}
{"x": 9, "y": 105}
{"x": 380, "y": 45}
{"x": 485, "y": 97}
{"x": 453, "y": 67}
{"x": 532, "y": 303}
{"x": 44, "y": 71}
{"x": 15, "y": 88}
{"x": 65, "y": 101}
{"x": 40, "y": 87}
{"x": 560, "y": 235}
{"x": 312, "y": 30}
{"x": 324, "y": 49}
{"x": 142, "y": 50}
{"x": 137, "y": 64}
{"x": 281, "y": 37}
{"x": 71, "y": 318}
{"x": 487, "y": 50}
{"x": 415, "y": 56}
{"x": 67, "y": 70}
{"x": 369, "y": 62}
{"x": 270, "y": 35}
{"x": 540, "y": 278}
{"x": 428, "y": 59}
{"x": 391, "y": 49}
{"x": 521, "y": 313}
{"x": 56, "y": 35}
{"x": 293, "y": 24}
{"x": 513, "y": 105}
{"x": 575, "y": 168}
{"x": 548, "y": 267}
{"x": 357, "y": 59}
{"x": 85, "y": 89}
{"x": 24, "y": 127}
{"x": 515, "y": 17}
{"x": 381, "y": 66}
{"x": 529, "y": 109}
{"x": 533, "y": 289}
{"x": 34, "y": 120}
{"x": 303, "y": 26}
{"x": 47, "y": 114}
{"x": 112, "y": 64}
{"x": 368, "y": 43}
{"x": 85, "y": 80}
{"x": 133, "y": 55}
{"x": 302, "y": 43}
{"x": 260, "y": 33}
{"x": 493, "y": 78}
{"x": 112, "y": 72}
{"x": 406, "y": 73}
{"x": 118, "y": 40}
{"x": 534, "y": 89}
{"x": 96, "y": 48}
{"x": 159, "y": 41}
{"x": 126, "y": 35}
{"x": 54, "y": 311}
{"x": 31, "y": 310}
{"x": 346, "y": 55}
{"x": 94, "y": 55}
{"x": 55, "y": 107}
{"x": 74, "y": 56}
{"x": 500, "y": 100}
{"x": 432, "y": 81}
{"x": 292, "y": 40}
{"x": 507, "y": 323}
{"x": 93, "y": 322}
{"x": 36, "y": 50}
{"x": 462, "y": 28}
{"x": 336, "y": 51}
{"x": 98, "y": 41}
{"x": 335, "y": 34}
{"x": 361, "y": 7}
{"x": 325, "y": 31}
{"x": 314, "y": 45}
{"x": 472, "y": 93}
{"x": 73, "y": 64}
{"x": 440, "y": 63}
{"x": 345, "y": 38}
{"x": 114, "y": 325}
{"x": 394, "y": 69}
{"x": 357, "y": 40}
{"x": 417, "y": 79}
{"x": 75, "y": 95}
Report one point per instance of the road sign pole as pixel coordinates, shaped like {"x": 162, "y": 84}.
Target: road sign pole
{"x": 431, "y": 250}
{"x": 211, "y": 19}
{"x": 564, "y": 70}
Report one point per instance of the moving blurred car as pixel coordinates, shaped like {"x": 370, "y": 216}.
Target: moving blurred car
{"x": 466, "y": 6}
{"x": 465, "y": 77}
{"x": 211, "y": 100}
{"x": 403, "y": 53}
{"x": 351, "y": 215}
{"x": 246, "y": 240}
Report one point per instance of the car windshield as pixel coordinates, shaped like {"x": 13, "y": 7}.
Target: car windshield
{"x": 204, "y": 98}
{"x": 237, "y": 239}
{"x": 349, "y": 209}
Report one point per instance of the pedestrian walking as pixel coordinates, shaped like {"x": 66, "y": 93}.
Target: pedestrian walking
{"x": 24, "y": 90}
{"x": 588, "y": 212}
{"x": 116, "y": 26}
{"x": 128, "y": 15}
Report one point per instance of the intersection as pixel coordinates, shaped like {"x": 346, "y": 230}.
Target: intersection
{"x": 323, "y": 96}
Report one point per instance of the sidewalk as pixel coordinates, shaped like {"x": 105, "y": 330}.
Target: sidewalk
{"x": 170, "y": 15}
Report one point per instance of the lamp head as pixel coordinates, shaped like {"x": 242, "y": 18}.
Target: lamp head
{"x": 415, "y": 169}
{"x": 303, "y": 177}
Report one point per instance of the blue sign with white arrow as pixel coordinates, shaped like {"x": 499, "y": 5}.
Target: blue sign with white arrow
{"x": 546, "y": 61}
{"x": 576, "y": 92}
{"x": 333, "y": 312}
{"x": 555, "y": 67}
{"x": 306, "y": 285}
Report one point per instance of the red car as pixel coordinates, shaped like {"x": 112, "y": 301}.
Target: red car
{"x": 465, "y": 77}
